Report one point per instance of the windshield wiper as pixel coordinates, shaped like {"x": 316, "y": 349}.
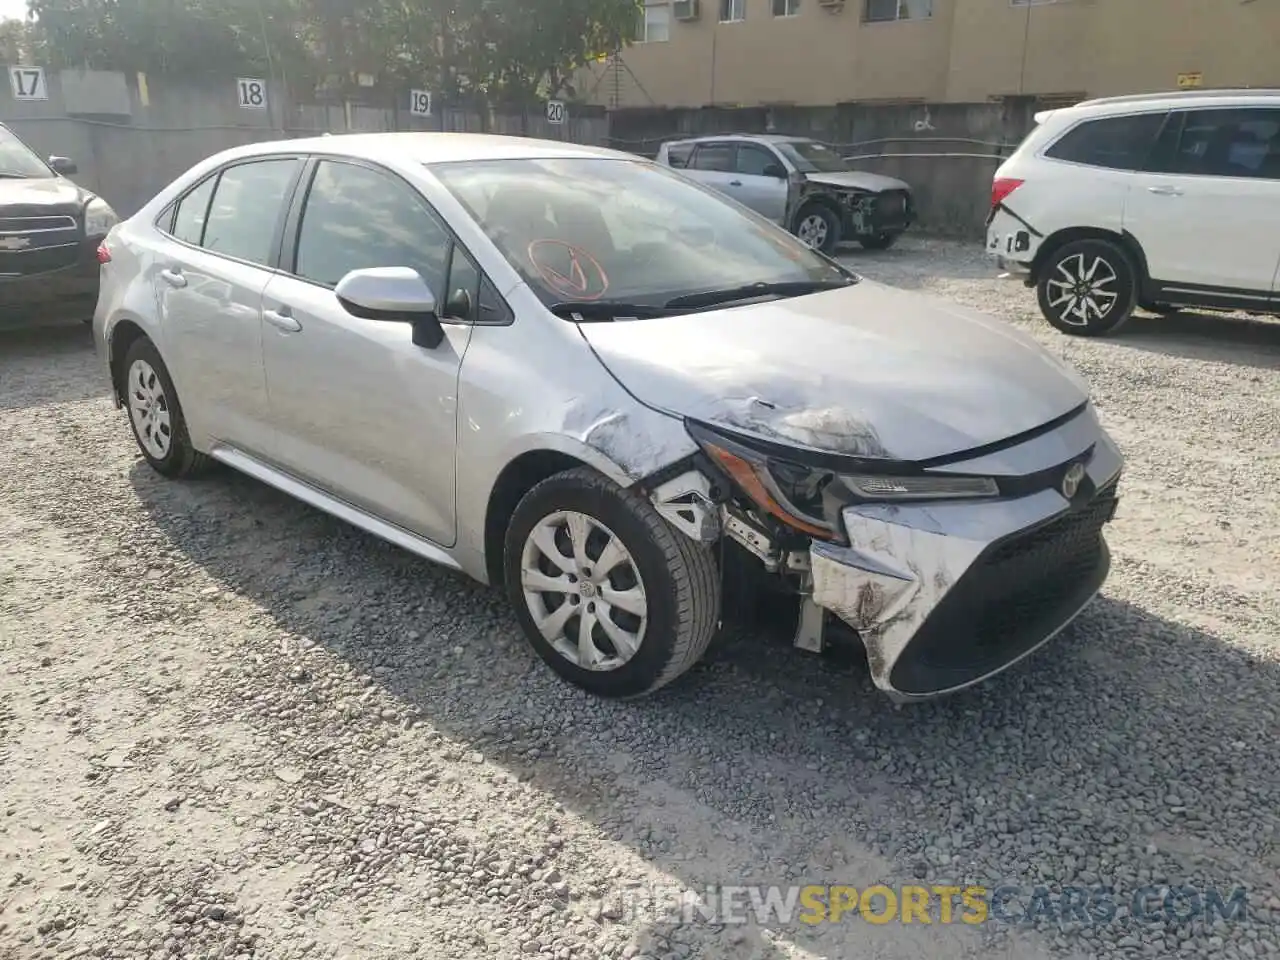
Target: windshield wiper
{"x": 788, "y": 288}
{"x": 590, "y": 311}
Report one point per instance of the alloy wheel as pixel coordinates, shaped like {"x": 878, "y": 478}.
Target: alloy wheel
{"x": 1082, "y": 289}
{"x": 149, "y": 409}
{"x": 813, "y": 230}
{"x": 584, "y": 591}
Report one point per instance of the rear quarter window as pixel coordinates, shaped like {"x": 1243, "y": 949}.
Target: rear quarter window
{"x": 678, "y": 155}
{"x": 1113, "y": 143}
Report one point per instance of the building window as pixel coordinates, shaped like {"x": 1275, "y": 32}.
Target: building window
{"x": 1030, "y": 3}
{"x": 883, "y": 11}
{"x": 786, "y": 8}
{"x": 655, "y": 23}
{"x": 732, "y": 10}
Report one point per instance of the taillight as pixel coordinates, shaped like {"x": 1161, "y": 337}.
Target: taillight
{"x": 1001, "y": 187}
{"x": 104, "y": 255}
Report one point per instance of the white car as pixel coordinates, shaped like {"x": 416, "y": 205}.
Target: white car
{"x": 1156, "y": 201}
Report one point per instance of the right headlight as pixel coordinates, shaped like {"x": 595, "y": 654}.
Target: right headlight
{"x": 809, "y": 498}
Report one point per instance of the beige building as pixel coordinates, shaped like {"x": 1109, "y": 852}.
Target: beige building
{"x": 695, "y": 53}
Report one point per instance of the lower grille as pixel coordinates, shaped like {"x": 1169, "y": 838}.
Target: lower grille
{"x": 1016, "y": 593}
{"x": 29, "y": 263}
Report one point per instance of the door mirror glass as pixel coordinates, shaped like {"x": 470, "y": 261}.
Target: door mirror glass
{"x": 63, "y": 166}
{"x": 776, "y": 171}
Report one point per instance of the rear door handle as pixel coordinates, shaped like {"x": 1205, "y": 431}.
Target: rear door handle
{"x": 173, "y": 278}
{"x": 282, "y": 319}
{"x": 1165, "y": 191}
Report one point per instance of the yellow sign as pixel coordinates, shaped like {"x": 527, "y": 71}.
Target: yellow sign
{"x": 1190, "y": 81}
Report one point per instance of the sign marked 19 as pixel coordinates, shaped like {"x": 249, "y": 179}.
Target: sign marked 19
{"x": 251, "y": 93}
{"x": 27, "y": 83}
{"x": 420, "y": 103}
{"x": 555, "y": 111}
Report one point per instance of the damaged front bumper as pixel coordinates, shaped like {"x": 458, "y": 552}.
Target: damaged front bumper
{"x": 945, "y": 595}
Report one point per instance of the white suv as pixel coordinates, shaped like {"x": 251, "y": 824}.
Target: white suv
{"x": 1158, "y": 201}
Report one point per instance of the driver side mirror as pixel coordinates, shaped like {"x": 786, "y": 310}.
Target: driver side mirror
{"x": 63, "y": 166}
{"x": 395, "y": 295}
{"x": 776, "y": 171}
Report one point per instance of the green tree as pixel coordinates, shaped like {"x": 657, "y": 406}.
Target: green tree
{"x": 20, "y": 42}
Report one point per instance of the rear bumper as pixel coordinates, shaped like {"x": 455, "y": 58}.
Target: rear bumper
{"x": 68, "y": 293}
{"x": 946, "y": 595}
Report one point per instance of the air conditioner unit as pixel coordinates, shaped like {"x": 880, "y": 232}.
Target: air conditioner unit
{"x": 831, "y": 6}
{"x": 686, "y": 9}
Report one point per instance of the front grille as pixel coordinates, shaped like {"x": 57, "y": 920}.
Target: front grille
{"x": 31, "y": 262}
{"x": 27, "y": 225}
{"x": 1016, "y": 593}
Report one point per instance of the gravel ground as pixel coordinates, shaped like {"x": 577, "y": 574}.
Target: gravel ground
{"x": 233, "y": 727}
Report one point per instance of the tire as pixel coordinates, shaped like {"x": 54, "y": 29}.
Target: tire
{"x": 1160, "y": 309}
{"x": 162, "y": 436}
{"x": 819, "y": 227}
{"x": 878, "y": 241}
{"x": 678, "y": 582}
{"x": 1087, "y": 288}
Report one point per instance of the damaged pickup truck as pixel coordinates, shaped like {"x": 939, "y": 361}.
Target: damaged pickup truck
{"x": 579, "y": 375}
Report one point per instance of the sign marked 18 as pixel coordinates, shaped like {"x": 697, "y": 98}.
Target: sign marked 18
{"x": 27, "y": 83}
{"x": 251, "y": 93}
{"x": 555, "y": 111}
{"x": 420, "y": 103}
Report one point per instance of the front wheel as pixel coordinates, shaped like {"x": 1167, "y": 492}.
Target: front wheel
{"x": 878, "y": 241}
{"x": 609, "y": 595}
{"x": 1087, "y": 288}
{"x": 819, "y": 227}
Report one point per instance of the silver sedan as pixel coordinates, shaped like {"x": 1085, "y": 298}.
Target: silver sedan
{"x": 575, "y": 374}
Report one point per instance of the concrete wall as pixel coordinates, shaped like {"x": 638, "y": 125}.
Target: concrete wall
{"x": 131, "y": 135}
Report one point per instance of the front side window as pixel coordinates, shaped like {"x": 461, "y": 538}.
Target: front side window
{"x": 247, "y": 203}
{"x": 1242, "y": 142}
{"x": 715, "y": 157}
{"x": 655, "y": 23}
{"x": 356, "y": 218}
{"x": 1116, "y": 143}
{"x": 731, "y": 10}
{"x": 883, "y": 11}
{"x": 754, "y": 161}
{"x": 189, "y": 218}
{"x": 18, "y": 161}
{"x": 809, "y": 156}
{"x": 591, "y": 228}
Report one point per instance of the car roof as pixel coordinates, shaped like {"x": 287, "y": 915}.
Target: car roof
{"x": 1179, "y": 99}
{"x": 748, "y": 137}
{"x": 430, "y": 147}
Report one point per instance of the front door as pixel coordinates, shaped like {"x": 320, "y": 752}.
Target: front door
{"x": 762, "y": 181}
{"x": 360, "y": 411}
{"x": 1206, "y": 210}
{"x": 209, "y": 280}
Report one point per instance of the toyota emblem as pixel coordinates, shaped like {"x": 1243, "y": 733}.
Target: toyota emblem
{"x": 1071, "y": 480}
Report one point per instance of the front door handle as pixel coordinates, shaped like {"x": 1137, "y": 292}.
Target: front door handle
{"x": 282, "y": 319}
{"x": 735, "y": 183}
{"x": 1165, "y": 191}
{"x": 173, "y": 278}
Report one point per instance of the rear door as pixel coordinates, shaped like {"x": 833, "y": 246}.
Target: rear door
{"x": 712, "y": 164}
{"x": 1207, "y": 209}
{"x": 761, "y": 181}
{"x": 209, "y": 278}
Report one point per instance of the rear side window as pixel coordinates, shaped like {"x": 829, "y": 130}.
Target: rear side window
{"x": 678, "y": 156}
{"x": 188, "y": 221}
{"x": 714, "y": 156}
{"x": 1241, "y": 142}
{"x": 246, "y": 206}
{"x": 1116, "y": 143}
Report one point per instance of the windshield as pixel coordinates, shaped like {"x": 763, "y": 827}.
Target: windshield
{"x": 812, "y": 157}
{"x": 17, "y": 159}
{"x": 590, "y": 229}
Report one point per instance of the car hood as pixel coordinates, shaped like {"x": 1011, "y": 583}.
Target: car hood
{"x": 47, "y": 196}
{"x": 858, "y": 180}
{"x": 867, "y": 370}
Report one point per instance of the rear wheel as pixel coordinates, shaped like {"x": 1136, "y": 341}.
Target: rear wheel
{"x": 156, "y": 415}
{"x": 609, "y": 595}
{"x": 878, "y": 241}
{"x": 819, "y": 227}
{"x": 1087, "y": 288}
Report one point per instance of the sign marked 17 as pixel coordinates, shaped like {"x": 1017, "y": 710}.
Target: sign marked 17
{"x": 27, "y": 83}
